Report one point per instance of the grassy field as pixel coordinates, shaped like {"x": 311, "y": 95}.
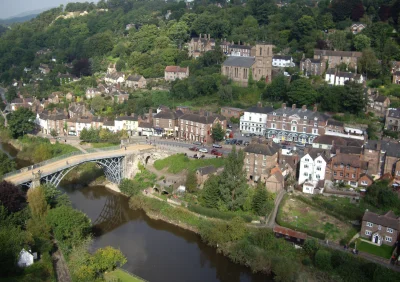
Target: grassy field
{"x": 119, "y": 275}
{"x": 380, "y": 251}
{"x": 305, "y": 216}
{"x": 179, "y": 162}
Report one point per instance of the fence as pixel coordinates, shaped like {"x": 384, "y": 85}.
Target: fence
{"x": 35, "y": 166}
{"x": 104, "y": 149}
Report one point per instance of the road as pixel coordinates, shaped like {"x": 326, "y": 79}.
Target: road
{"x": 52, "y": 167}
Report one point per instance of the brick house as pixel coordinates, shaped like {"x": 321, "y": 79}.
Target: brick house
{"x": 166, "y": 121}
{"x": 295, "y": 124}
{"x": 312, "y": 67}
{"x": 392, "y": 121}
{"x": 327, "y": 142}
{"x": 380, "y": 229}
{"x": 275, "y": 181}
{"x": 335, "y": 58}
{"x": 229, "y": 112}
{"x": 172, "y": 73}
{"x": 203, "y": 173}
{"x": 52, "y": 120}
{"x": 365, "y": 180}
{"x": 259, "y": 158}
{"x": 198, "y": 127}
{"x": 357, "y": 27}
{"x": 135, "y": 81}
{"x": 199, "y": 45}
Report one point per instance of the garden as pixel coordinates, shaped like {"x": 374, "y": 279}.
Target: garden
{"x": 383, "y": 251}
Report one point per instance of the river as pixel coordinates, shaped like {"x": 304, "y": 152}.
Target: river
{"x": 155, "y": 250}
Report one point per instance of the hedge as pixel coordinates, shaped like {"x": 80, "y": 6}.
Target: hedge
{"x": 312, "y": 233}
{"x": 218, "y": 214}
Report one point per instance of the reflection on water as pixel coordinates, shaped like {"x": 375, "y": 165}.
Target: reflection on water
{"x": 11, "y": 152}
{"x": 155, "y": 250}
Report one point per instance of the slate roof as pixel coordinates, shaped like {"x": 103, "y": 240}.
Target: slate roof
{"x": 134, "y": 77}
{"x": 166, "y": 114}
{"x": 132, "y": 118}
{"x": 392, "y": 149}
{"x": 144, "y": 124}
{"x": 204, "y": 40}
{"x": 335, "y": 122}
{"x": 234, "y": 61}
{"x": 315, "y": 153}
{"x": 381, "y": 99}
{"x": 259, "y": 110}
{"x": 301, "y": 113}
{"x": 55, "y": 115}
{"x": 175, "y": 69}
{"x": 108, "y": 123}
{"x": 351, "y": 150}
{"x": 352, "y": 160}
{"x": 331, "y": 71}
{"x": 337, "y": 53}
{"x": 115, "y": 75}
{"x": 202, "y": 119}
{"x": 394, "y": 112}
{"x": 237, "y": 46}
{"x": 207, "y": 170}
{"x": 282, "y": 57}
{"x": 345, "y": 74}
{"x": 386, "y": 220}
{"x": 262, "y": 149}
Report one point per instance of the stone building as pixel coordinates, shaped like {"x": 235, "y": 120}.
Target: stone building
{"x": 295, "y": 124}
{"x": 52, "y": 120}
{"x": 392, "y": 120}
{"x": 259, "y": 158}
{"x": 229, "y": 112}
{"x": 380, "y": 229}
{"x": 166, "y": 121}
{"x": 239, "y": 50}
{"x": 334, "y": 58}
{"x": 383, "y": 157}
{"x": 203, "y": 173}
{"x": 172, "y": 73}
{"x": 199, "y": 45}
{"x": 135, "y": 81}
{"x": 312, "y": 67}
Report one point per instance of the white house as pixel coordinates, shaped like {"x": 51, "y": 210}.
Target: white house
{"x": 175, "y": 72}
{"x": 334, "y": 77}
{"x": 312, "y": 169}
{"x": 254, "y": 119}
{"x": 115, "y": 78}
{"x": 26, "y": 258}
{"x": 128, "y": 123}
{"x": 282, "y": 61}
{"x": 110, "y": 125}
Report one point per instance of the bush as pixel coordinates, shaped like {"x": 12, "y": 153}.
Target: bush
{"x": 218, "y": 214}
{"x": 306, "y": 261}
{"x": 129, "y": 187}
{"x": 323, "y": 260}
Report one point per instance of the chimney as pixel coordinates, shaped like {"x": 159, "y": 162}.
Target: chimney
{"x": 259, "y": 104}
{"x": 293, "y": 106}
{"x": 304, "y": 108}
{"x": 315, "y": 108}
{"x": 284, "y": 106}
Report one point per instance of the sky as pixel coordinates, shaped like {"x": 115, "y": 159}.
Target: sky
{"x": 10, "y": 8}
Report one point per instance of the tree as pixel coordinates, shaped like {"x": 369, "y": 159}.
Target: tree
{"x": 361, "y": 42}
{"x": 69, "y": 226}
{"x": 191, "y": 182}
{"x": 179, "y": 33}
{"x": 53, "y": 133}
{"x": 129, "y": 187}
{"x": 37, "y": 202}
{"x": 98, "y": 103}
{"x": 277, "y": 89}
{"x": 368, "y": 63}
{"x": 6, "y": 164}
{"x": 301, "y": 92}
{"x": 310, "y": 247}
{"x": 354, "y": 100}
{"x": 261, "y": 206}
{"x": 99, "y": 44}
{"x": 218, "y": 133}
{"x": 225, "y": 93}
{"x": 323, "y": 260}
{"x": 339, "y": 40}
{"x": 210, "y": 194}
{"x": 54, "y": 197}
{"x": 41, "y": 153}
{"x": 81, "y": 68}
{"x": 11, "y": 94}
{"x": 21, "y": 121}
{"x": 233, "y": 183}
{"x": 107, "y": 259}
{"x": 11, "y": 197}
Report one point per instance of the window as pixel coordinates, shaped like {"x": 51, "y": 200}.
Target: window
{"x": 264, "y": 157}
{"x": 294, "y": 128}
{"x": 250, "y": 118}
{"x": 379, "y": 227}
{"x": 319, "y": 162}
{"x": 364, "y": 183}
{"x": 305, "y": 174}
{"x": 304, "y": 129}
{"x": 318, "y": 168}
{"x": 305, "y": 166}
{"x": 260, "y": 119}
{"x": 347, "y": 167}
{"x": 353, "y": 175}
{"x": 317, "y": 176}
{"x": 334, "y": 173}
{"x": 368, "y": 233}
{"x": 369, "y": 224}
{"x": 388, "y": 239}
{"x": 307, "y": 160}
{"x": 273, "y": 125}
{"x": 389, "y": 230}
{"x": 341, "y": 174}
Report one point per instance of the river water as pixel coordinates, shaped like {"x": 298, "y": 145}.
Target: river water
{"x": 155, "y": 250}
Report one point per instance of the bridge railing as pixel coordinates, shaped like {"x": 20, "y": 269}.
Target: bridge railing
{"x": 38, "y": 165}
{"x": 105, "y": 149}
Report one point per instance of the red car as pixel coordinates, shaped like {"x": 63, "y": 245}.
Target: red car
{"x": 215, "y": 152}
{"x": 193, "y": 149}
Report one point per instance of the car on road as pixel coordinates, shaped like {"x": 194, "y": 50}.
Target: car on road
{"x": 217, "y": 146}
{"x": 203, "y": 150}
{"x": 247, "y": 143}
{"x": 197, "y": 143}
{"x": 233, "y": 141}
{"x": 229, "y": 125}
{"x": 239, "y": 142}
{"x": 246, "y": 135}
{"x": 193, "y": 149}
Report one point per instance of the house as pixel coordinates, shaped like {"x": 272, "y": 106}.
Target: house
{"x": 203, "y": 173}
{"x": 26, "y": 258}
{"x": 254, "y": 119}
{"x": 198, "y": 127}
{"x": 282, "y": 61}
{"x": 110, "y": 125}
{"x": 396, "y": 77}
{"x": 380, "y": 229}
{"x": 81, "y": 123}
{"x": 365, "y": 180}
{"x": 166, "y": 121}
{"x": 334, "y": 58}
{"x": 55, "y": 97}
{"x": 230, "y": 112}
{"x": 232, "y": 49}
{"x": 121, "y": 98}
{"x": 135, "y": 81}
{"x": 69, "y": 96}
{"x": 172, "y": 73}
{"x": 328, "y": 142}
{"x": 295, "y": 124}
{"x": 379, "y": 104}
{"x": 392, "y": 120}
{"x": 312, "y": 168}
{"x": 92, "y": 92}
{"x": 146, "y": 128}
{"x": 52, "y": 120}
{"x": 128, "y": 123}
{"x": 28, "y": 103}
{"x": 44, "y": 68}
{"x": 117, "y": 78}
{"x": 335, "y": 77}
{"x": 66, "y": 78}
{"x": 357, "y": 27}
{"x": 258, "y": 159}
{"x": 275, "y": 181}
{"x": 383, "y": 157}
{"x": 259, "y": 64}
{"x": 312, "y": 67}
{"x": 340, "y": 129}
{"x": 289, "y": 234}
{"x": 97, "y": 122}
{"x": 78, "y": 109}
{"x": 199, "y": 45}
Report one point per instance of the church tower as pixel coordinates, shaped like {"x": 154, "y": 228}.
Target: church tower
{"x": 262, "y": 66}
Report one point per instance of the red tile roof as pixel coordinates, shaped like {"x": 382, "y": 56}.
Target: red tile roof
{"x": 289, "y": 232}
{"x": 175, "y": 69}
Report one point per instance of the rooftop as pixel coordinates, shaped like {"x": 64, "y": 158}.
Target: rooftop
{"x": 259, "y": 110}
{"x": 262, "y": 149}
{"x": 387, "y": 220}
{"x": 207, "y": 170}
{"x": 175, "y": 69}
{"x": 394, "y": 112}
{"x": 202, "y": 118}
{"x": 234, "y": 61}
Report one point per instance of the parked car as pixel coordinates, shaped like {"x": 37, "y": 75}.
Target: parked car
{"x": 193, "y": 149}
{"x": 217, "y": 146}
{"x": 247, "y": 135}
{"x": 239, "y": 142}
{"x": 213, "y": 151}
{"x": 233, "y": 142}
{"x": 217, "y": 153}
{"x": 195, "y": 156}
{"x": 197, "y": 143}
{"x": 203, "y": 150}
{"x": 247, "y": 143}
{"x": 229, "y": 125}
{"x": 228, "y": 141}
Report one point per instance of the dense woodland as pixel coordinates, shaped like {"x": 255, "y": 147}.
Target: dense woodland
{"x": 94, "y": 40}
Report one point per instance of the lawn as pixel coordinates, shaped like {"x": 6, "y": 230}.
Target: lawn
{"x": 305, "y": 216}
{"x": 179, "y": 162}
{"x": 119, "y": 275}
{"x": 383, "y": 251}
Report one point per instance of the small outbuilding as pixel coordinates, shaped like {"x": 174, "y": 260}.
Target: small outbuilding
{"x": 26, "y": 258}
